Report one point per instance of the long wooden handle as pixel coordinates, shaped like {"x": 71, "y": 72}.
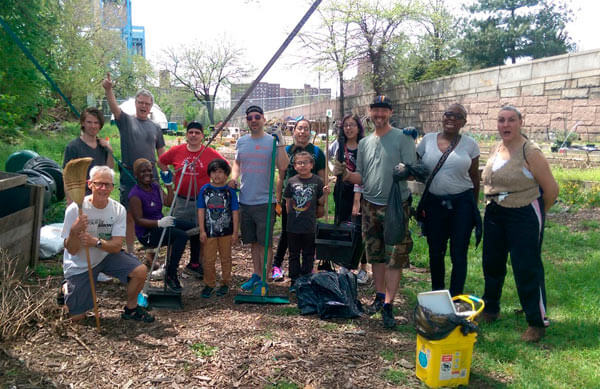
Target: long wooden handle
{"x": 92, "y": 285}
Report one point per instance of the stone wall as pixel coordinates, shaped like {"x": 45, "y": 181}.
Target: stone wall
{"x": 552, "y": 93}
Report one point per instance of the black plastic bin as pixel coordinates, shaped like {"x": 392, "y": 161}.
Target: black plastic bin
{"x": 340, "y": 244}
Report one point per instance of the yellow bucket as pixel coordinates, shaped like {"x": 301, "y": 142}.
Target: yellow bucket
{"x": 447, "y": 362}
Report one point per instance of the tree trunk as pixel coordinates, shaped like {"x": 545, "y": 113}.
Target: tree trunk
{"x": 341, "y": 102}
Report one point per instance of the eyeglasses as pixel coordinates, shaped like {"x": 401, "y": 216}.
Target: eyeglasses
{"x": 350, "y": 125}
{"x": 303, "y": 128}
{"x": 100, "y": 185}
{"x": 454, "y": 115}
{"x": 302, "y": 163}
{"x": 143, "y": 103}
{"x": 253, "y": 117}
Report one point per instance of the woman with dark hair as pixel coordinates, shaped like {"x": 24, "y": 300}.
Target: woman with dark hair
{"x": 450, "y": 204}
{"x": 519, "y": 189}
{"x": 146, "y": 200}
{"x": 350, "y": 133}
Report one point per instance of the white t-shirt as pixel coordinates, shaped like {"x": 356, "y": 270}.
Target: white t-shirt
{"x": 453, "y": 177}
{"x": 102, "y": 223}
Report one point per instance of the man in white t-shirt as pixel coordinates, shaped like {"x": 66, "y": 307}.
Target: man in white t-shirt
{"x": 101, "y": 228}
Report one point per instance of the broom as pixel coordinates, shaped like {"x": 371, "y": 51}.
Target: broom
{"x": 74, "y": 175}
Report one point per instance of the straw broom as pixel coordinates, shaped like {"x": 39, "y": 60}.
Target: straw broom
{"x": 75, "y": 174}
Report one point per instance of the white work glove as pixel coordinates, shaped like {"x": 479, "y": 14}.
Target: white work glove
{"x": 167, "y": 221}
{"x": 279, "y": 136}
{"x": 339, "y": 169}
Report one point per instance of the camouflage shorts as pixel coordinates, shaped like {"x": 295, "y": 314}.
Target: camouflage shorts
{"x": 373, "y": 217}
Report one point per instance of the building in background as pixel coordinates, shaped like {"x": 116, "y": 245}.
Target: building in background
{"x": 271, "y": 96}
{"x": 117, "y": 14}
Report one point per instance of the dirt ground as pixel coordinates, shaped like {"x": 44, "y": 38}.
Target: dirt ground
{"x": 214, "y": 343}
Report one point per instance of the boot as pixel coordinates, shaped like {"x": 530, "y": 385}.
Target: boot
{"x": 533, "y": 334}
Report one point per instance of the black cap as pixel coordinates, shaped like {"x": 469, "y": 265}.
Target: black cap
{"x": 254, "y": 108}
{"x": 197, "y": 125}
{"x": 381, "y": 102}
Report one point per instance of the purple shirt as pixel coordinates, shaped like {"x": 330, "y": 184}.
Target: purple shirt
{"x": 151, "y": 205}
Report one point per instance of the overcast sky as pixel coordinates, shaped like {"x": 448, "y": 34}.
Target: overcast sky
{"x": 260, "y": 26}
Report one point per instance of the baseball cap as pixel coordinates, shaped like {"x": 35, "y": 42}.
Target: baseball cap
{"x": 254, "y": 108}
{"x": 381, "y": 102}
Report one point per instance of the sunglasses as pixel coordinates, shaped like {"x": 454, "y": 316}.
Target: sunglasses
{"x": 454, "y": 115}
{"x": 253, "y": 117}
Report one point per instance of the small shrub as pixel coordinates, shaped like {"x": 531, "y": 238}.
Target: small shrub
{"x": 202, "y": 350}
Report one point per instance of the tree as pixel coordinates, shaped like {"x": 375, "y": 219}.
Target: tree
{"x": 332, "y": 47}
{"x": 509, "y": 29}
{"x": 203, "y": 68}
{"x": 23, "y": 90}
{"x": 378, "y": 22}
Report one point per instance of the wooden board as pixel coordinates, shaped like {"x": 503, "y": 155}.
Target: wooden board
{"x": 10, "y": 180}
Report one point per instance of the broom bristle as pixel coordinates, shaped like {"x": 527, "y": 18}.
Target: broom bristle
{"x": 75, "y": 177}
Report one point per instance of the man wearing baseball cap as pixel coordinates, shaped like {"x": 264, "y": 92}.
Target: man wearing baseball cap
{"x": 378, "y": 154}
{"x": 252, "y": 167}
{"x": 197, "y": 158}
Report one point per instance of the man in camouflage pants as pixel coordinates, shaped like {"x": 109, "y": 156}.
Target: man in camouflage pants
{"x": 378, "y": 154}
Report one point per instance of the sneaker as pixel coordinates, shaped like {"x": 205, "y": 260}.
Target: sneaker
{"x": 533, "y": 334}
{"x": 222, "y": 291}
{"x": 103, "y": 277}
{"x": 362, "y": 277}
{"x": 277, "y": 274}
{"x": 137, "y": 314}
{"x": 207, "y": 291}
{"x": 173, "y": 283}
{"x": 251, "y": 283}
{"x": 387, "y": 314}
{"x": 158, "y": 274}
{"x": 194, "y": 269}
{"x": 375, "y": 306}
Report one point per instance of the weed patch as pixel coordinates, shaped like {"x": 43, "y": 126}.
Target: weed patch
{"x": 203, "y": 350}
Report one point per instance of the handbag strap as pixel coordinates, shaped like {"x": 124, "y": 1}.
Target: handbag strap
{"x": 440, "y": 163}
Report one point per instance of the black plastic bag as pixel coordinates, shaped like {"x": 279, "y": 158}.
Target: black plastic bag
{"x": 328, "y": 294}
{"x": 394, "y": 229}
{"x": 434, "y": 326}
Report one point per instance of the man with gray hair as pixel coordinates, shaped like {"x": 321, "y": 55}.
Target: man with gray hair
{"x": 139, "y": 138}
{"x": 100, "y": 228}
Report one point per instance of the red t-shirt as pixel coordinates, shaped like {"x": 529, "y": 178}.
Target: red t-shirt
{"x": 195, "y": 173}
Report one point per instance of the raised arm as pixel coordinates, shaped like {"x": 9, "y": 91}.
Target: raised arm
{"x": 107, "y": 84}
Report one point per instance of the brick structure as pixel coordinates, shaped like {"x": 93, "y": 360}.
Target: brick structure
{"x": 553, "y": 94}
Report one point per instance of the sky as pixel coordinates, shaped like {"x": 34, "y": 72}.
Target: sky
{"x": 260, "y": 26}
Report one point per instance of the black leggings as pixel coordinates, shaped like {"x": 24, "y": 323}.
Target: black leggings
{"x": 175, "y": 237}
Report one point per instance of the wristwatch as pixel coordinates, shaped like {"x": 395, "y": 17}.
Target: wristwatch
{"x": 99, "y": 243}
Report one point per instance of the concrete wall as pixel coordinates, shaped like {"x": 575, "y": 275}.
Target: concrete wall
{"x": 552, "y": 93}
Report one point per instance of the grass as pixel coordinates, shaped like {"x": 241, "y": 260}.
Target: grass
{"x": 202, "y": 350}
{"x": 569, "y": 355}
{"x": 44, "y": 270}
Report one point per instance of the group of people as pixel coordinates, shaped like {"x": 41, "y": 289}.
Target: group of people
{"x": 214, "y": 203}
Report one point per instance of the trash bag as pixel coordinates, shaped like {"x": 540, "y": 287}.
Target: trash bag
{"x": 394, "y": 229}
{"x": 51, "y": 242}
{"x": 435, "y": 326}
{"x": 329, "y": 295}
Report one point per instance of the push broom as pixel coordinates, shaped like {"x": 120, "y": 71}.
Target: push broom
{"x": 259, "y": 293}
{"x": 74, "y": 175}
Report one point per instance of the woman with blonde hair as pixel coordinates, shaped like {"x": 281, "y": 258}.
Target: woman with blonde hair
{"x": 519, "y": 189}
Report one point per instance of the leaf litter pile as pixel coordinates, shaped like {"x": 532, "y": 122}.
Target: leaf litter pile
{"x": 213, "y": 343}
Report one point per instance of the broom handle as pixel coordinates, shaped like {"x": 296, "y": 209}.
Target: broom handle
{"x": 162, "y": 235}
{"x": 92, "y": 285}
{"x": 269, "y": 209}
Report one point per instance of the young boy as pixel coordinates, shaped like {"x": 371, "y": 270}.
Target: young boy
{"x": 304, "y": 203}
{"x": 218, "y": 219}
